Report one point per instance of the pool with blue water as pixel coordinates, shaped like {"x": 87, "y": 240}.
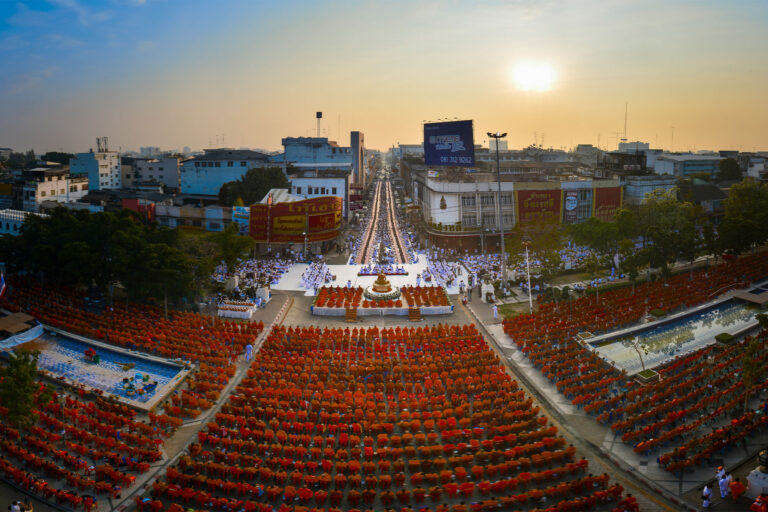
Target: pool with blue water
{"x": 64, "y": 356}
{"x": 661, "y": 341}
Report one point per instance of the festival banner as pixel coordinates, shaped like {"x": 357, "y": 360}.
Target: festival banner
{"x": 538, "y": 206}
{"x": 606, "y": 201}
{"x": 571, "y": 203}
{"x": 319, "y": 217}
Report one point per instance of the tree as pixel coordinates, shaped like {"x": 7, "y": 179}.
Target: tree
{"x": 751, "y": 364}
{"x": 231, "y": 246}
{"x": 58, "y": 157}
{"x": 666, "y": 227}
{"x": 600, "y": 236}
{"x": 745, "y": 224}
{"x": 20, "y": 393}
{"x": 253, "y": 186}
{"x": 631, "y": 260}
{"x": 729, "y": 170}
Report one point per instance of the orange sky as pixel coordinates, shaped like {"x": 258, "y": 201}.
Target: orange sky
{"x": 174, "y": 74}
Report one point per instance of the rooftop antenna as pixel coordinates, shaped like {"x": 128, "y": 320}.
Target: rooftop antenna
{"x": 626, "y": 108}
{"x": 222, "y": 140}
{"x": 598, "y": 141}
{"x": 338, "y": 131}
{"x": 319, "y": 116}
{"x": 672, "y": 141}
{"x": 535, "y": 139}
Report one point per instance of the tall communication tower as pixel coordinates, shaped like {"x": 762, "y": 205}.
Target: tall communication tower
{"x": 626, "y": 108}
{"x": 102, "y": 144}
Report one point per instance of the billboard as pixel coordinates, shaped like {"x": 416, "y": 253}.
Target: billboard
{"x": 538, "y": 206}
{"x": 319, "y": 218}
{"x": 450, "y": 143}
{"x": 241, "y": 215}
{"x": 570, "y": 204}
{"x": 606, "y": 201}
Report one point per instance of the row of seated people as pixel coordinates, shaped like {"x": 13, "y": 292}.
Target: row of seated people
{"x": 466, "y": 433}
{"x": 547, "y": 337}
{"x": 688, "y": 415}
{"x": 698, "y": 406}
{"x": 78, "y": 449}
{"x": 209, "y": 342}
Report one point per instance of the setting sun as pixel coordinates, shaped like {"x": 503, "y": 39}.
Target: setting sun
{"x": 534, "y": 76}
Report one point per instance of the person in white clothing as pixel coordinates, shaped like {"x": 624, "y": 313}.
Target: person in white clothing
{"x": 723, "y": 483}
{"x": 706, "y": 496}
{"x": 495, "y": 312}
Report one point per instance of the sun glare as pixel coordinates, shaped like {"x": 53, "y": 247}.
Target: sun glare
{"x": 534, "y": 76}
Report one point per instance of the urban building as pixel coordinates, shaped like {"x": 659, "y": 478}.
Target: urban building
{"x": 128, "y": 171}
{"x": 636, "y": 188}
{"x": 319, "y": 167}
{"x": 587, "y": 154}
{"x": 309, "y": 183}
{"x": 359, "y": 163}
{"x": 209, "y": 218}
{"x": 707, "y": 195}
{"x": 12, "y": 220}
{"x": 5, "y": 153}
{"x": 459, "y": 209}
{"x": 163, "y": 170}
{"x": 633, "y": 147}
{"x": 103, "y": 169}
{"x": 203, "y": 175}
{"x": 149, "y": 152}
{"x": 684, "y": 166}
{"x": 49, "y": 184}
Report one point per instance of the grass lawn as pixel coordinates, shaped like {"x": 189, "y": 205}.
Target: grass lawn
{"x": 571, "y": 278}
{"x": 508, "y": 310}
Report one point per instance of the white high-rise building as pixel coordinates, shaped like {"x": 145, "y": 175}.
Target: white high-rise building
{"x": 102, "y": 169}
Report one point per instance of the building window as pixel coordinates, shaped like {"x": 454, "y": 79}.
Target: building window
{"x": 242, "y": 164}
{"x": 218, "y": 164}
{"x": 487, "y": 200}
{"x": 230, "y": 163}
{"x": 322, "y": 190}
{"x": 489, "y": 221}
{"x": 506, "y": 200}
{"x": 469, "y": 220}
{"x": 61, "y": 191}
{"x": 298, "y": 190}
{"x": 509, "y": 219}
{"x": 42, "y": 193}
{"x": 468, "y": 200}
{"x": 333, "y": 190}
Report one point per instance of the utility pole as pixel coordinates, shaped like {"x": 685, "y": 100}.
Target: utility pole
{"x": 498, "y": 136}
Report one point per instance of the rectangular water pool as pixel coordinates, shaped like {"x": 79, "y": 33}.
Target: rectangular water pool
{"x": 666, "y": 340}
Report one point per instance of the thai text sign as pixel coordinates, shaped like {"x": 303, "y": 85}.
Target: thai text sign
{"x": 449, "y": 143}
{"x": 319, "y": 218}
{"x": 606, "y": 202}
{"x": 538, "y": 206}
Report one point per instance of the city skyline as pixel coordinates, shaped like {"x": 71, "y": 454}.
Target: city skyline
{"x": 175, "y": 74}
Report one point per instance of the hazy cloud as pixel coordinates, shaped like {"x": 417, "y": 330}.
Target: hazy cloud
{"x": 25, "y": 82}
{"x": 84, "y": 14}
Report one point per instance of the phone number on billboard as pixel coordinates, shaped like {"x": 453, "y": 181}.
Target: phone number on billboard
{"x": 456, "y": 160}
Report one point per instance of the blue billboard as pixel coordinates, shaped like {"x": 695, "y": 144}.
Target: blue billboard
{"x": 450, "y": 143}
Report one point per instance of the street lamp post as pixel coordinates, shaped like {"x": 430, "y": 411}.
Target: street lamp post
{"x": 498, "y": 136}
{"x": 305, "y": 245}
{"x": 526, "y": 243}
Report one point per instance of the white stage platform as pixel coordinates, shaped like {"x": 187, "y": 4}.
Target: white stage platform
{"x": 291, "y": 280}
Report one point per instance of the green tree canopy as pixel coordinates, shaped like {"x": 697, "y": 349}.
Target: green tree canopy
{"x": 745, "y": 224}
{"x": 58, "y": 157}
{"x": 20, "y": 391}
{"x": 253, "y": 186}
{"x": 230, "y": 245}
{"x": 728, "y": 170}
{"x": 667, "y": 227}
